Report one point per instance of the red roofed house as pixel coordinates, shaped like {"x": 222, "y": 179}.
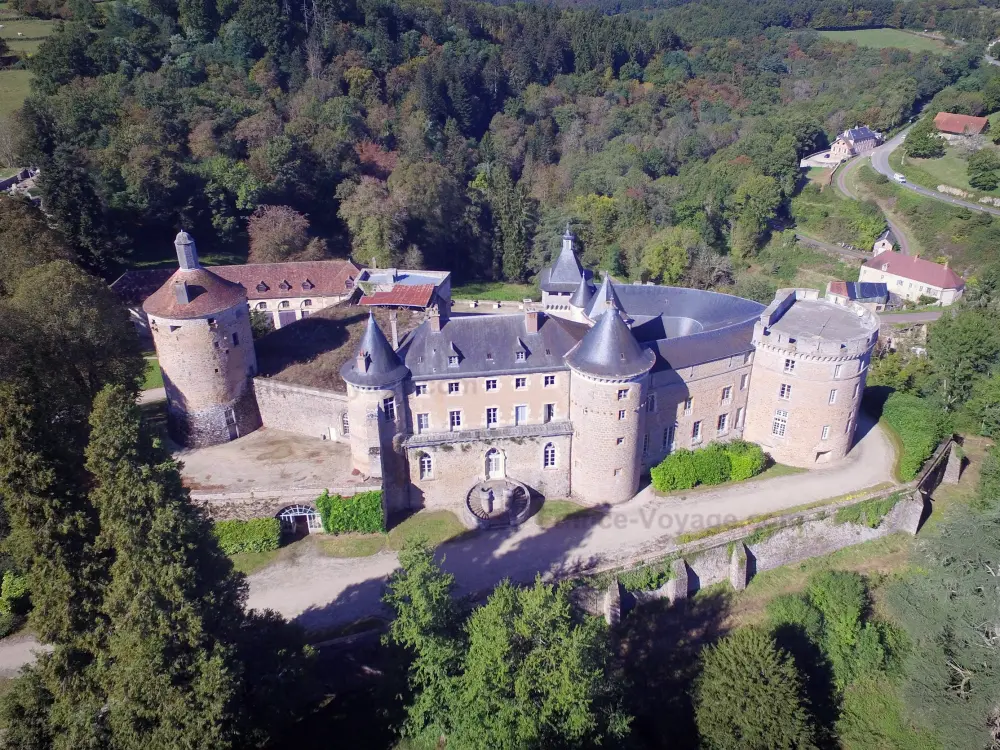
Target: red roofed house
{"x": 952, "y": 125}
{"x": 911, "y": 278}
{"x": 395, "y": 287}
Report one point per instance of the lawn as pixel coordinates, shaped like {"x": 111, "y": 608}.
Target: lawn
{"x": 881, "y": 38}
{"x": 31, "y": 28}
{"x": 495, "y": 291}
{"x": 434, "y": 526}
{"x": 154, "y": 378}
{"x": 553, "y": 512}
{"x": 13, "y": 89}
{"x": 950, "y": 169}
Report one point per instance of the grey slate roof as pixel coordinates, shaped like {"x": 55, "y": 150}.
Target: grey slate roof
{"x": 383, "y": 365}
{"x": 868, "y": 291}
{"x": 609, "y": 350}
{"x": 488, "y": 345}
{"x": 887, "y": 235}
{"x": 863, "y": 133}
{"x": 604, "y": 299}
{"x": 583, "y": 294}
{"x": 564, "y": 275}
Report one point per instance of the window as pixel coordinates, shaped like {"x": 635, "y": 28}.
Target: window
{"x": 426, "y": 466}
{"x": 307, "y": 285}
{"x": 261, "y": 305}
{"x": 454, "y": 387}
{"x": 738, "y": 419}
{"x": 423, "y": 422}
{"x": 618, "y": 472}
{"x": 305, "y": 314}
{"x": 455, "y": 419}
{"x": 668, "y": 438}
{"x": 520, "y": 383}
{"x": 236, "y": 339}
{"x": 307, "y": 303}
{"x": 688, "y": 405}
{"x": 727, "y": 394}
{"x": 723, "y": 424}
{"x": 857, "y": 387}
{"x": 785, "y": 392}
{"x": 489, "y": 356}
{"x": 492, "y": 416}
{"x": 389, "y": 407}
{"x": 744, "y": 379}
{"x": 491, "y": 385}
{"x": 520, "y": 414}
{"x": 623, "y": 394}
{"x": 789, "y": 365}
{"x": 549, "y": 412}
{"x": 780, "y": 423}
{"x": 696, "y": 431}
{"x": 349, "y": 283}
{"x": 550, "y": 380}
{"x": 284, "y": 286}
{"x": 833, "y": 396}
{"x": 826, "y": 432}
{"x": 345, "y": 426}
{"x": 651, "y": 403}
{"x": 620, "y": 441}
{"x": 621, "y": 414}
{"x": 284, "y": 304}
{"x": 836, "y": 370}
{"x": 519, "y": 356}
{"x": 549, "y": 456}
{"x": 453, "y": 360}
{"x": 645, "y": 444}
{"x": 420, "y": 389}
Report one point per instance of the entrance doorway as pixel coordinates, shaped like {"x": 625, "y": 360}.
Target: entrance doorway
{"x": 298, "y": 521}
{"x": 494, "y": 464}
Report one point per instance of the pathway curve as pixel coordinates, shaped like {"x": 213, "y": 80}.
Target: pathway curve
{"x": 321, "y": 592}
{"x": 851, "y": 166}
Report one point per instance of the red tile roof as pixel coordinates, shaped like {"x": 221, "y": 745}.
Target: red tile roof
{"x": 320, "y": 278}
{"x": 207, "y": 293}
{"x": 916, "y": 269}
{"x": 402, "y": 295}
{"x": 837, "y": 287}
{"x": 948, "y": 122}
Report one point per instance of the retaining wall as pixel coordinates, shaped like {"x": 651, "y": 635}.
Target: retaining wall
{"x": 313, "y": 412}
{"x": 225, "y": 506}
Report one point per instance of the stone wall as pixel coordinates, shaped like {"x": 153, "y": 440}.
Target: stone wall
{"x": 306, "y": 411}
{"x": 243, "y": 506}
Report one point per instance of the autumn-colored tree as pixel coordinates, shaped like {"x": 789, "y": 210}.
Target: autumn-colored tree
{"x": 279, "y": 234}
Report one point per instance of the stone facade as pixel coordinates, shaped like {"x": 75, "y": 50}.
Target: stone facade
{"x": 306, "y": 411}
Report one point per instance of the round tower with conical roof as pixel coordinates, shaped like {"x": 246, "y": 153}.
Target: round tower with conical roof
{"x": 609, "y": 379}
{"x": 201, "y": 330}
{"x": 376, "y": 412}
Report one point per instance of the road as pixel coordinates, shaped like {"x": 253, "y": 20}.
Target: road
{"x": 850, "y": 166}
{"x": 895, "y": 319}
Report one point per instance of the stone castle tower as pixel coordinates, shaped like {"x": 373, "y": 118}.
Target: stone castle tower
{"x": 377, "y": 413}
{"x": 201, "y": 330}
{"x": 609, "y": 380}
{"x": 809, "y": 368}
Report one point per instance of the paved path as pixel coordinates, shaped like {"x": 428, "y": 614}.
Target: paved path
{"x": 152, "y": 395}
{"x": 321, "y": 592}
{"x": 16, "y": 652}
{"x": 851, "y": 166}
{"x": 914, "y": 317}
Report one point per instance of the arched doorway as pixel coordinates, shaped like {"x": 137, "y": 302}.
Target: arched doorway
{"x": 495, "y": 464}
{"x": 299, "y": 520}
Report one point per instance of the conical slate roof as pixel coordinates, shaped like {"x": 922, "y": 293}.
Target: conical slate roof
{"x": 583, "y": 294}
{"x": 609, "y": 350}
{"x": 566, "y": 269}
{"x": 375, "y": 363}
{"x": 605, "y": 299}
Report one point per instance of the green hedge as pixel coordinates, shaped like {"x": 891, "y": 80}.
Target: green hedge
{"x": 868, "y": 513}
{"x": 361, "y": 512}
{"x": 256, "y": 535}
{"x": 719, "y": 462}
{"x": 919, "y": 426}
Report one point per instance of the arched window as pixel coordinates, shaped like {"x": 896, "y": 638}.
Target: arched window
{"x": 345, "y": 426}
{"x": 307, "y": 303}
{"x": 261, "y": 305}
{"x": 549, "y": 456}
{"x": 283, "y": 304}
{"x": 295, "y": 516}
{"x": 426, "y": 466}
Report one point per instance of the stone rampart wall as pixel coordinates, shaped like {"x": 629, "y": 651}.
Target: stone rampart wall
{"x": 225, "y": 506}
{"x": 304, "y": 411}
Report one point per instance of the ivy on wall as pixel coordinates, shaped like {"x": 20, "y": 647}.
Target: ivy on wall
{"x": 361, "y": 512}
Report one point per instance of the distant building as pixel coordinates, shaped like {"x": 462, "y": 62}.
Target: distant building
{"x": 911, "y": 278}
{"x": 871, "y": 296}
{"x": 886, "y": 241}
{"x": 855, "y": 141}
{"x": 951, "y": 125}
{"x": 395, "y": 287}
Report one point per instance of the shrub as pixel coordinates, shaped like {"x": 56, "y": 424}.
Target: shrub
{"x": 255, "y": 535}
{"x": 361, "y": 512}
{"x": 675, "y": 472}
{"x": 868, "y": 513}
{"x": 14, "y": 602}
{"x": 711, "y": 464}
{"x": 746, "y": 460}
{"x": 646, "y": 578}
{"x": 919, "y": 427}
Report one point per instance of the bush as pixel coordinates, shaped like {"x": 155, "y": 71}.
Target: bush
{"x": 646, "y": 578}
{"x": 675, "y": 472}
{"x": 361, "y": 512}
{"x": 255, "y": 535}
{"x": 711, "y": 464}
{"x": 746, "y": 460}
{"x": 14, "y": 602}
{"x": 919, "y": 427}
{"x": 719, "y": 462}
{"x": 868, "y": 513}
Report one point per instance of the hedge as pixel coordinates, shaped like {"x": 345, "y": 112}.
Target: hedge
{"x": 361, "y": 512}
{"x": 919, "y": 426}
{"x": 868, "y": 512}
{"x": 719, "y": 462}
{"x": 255, "y": 535}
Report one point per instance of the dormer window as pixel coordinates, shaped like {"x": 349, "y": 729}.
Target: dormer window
{"x": 885, "y": 266}
{"x": 262, "y": 287}
{"x": 489, "y": 356}
{"x": 349, "y": 284}
{"x": 307, "y": 285}
{"x": 284, "y": 286}
{"x": 519, "y": 356}
{"x": 453, "y": 360}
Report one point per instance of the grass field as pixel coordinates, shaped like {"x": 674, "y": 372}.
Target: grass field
{"x": 13, "y": 89}
{"x": 950, "y": 169}
{"x": 154, "y": 377}
{"x": 434, "y": 527}
{"x": 881, "y": 38}
{"x": 495, "y": 291}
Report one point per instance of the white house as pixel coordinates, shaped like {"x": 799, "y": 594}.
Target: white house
{"x": 911, "y": 278}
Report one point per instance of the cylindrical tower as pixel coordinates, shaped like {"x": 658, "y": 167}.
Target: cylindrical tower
{"x": 608, "y": 382}
{"x": 808, "y": 376}
{"x": 201, "y": 330}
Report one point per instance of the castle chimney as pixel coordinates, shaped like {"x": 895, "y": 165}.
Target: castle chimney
{"x": 362, "y": 361}
{"x": 395, "y": 330}
{"x": 182, "y": 293}
{"x": 532, "y": 320}
{"x": 187, "y": 252}
{"x": 434, "y": 317}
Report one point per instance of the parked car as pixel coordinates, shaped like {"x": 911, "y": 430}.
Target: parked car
{"x": 898, "y": 177}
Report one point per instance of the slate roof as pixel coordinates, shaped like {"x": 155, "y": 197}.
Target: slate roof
{"x": 707, "y": 346}
{"x": 564, "y": 275}
{"x": 604, "y": 299}
{"x": 609, "y": 350}
{"x": 888, "y": 236}
{"x": 487, "y": 345}
{"x": 383, "y": 364}
{"x": 583, "y": 294}
{"x": 207, "y": 294}
{"x": 683, "y": 311}
{"x": 860, "y": 291}
{"x": 862, "y": 133}
{"x": 402, "y": 296}
{"x": 948, "y": 122}
{"x": 916, "y": 269}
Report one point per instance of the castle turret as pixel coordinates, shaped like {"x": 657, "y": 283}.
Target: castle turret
{"x": 201, "y": 330}
{"x": 603, "y": 300}
{"x": 560, "y": 280}
{"x": 580, "y": 300}
{"x": 608, "y": 382}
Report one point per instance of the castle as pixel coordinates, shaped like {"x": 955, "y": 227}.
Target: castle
{"x": 575, "y": 397}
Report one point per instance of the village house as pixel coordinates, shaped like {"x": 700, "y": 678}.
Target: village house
{"x": 855, "y": 141}
{"x": 953, "y": 126}
{"x": 871, "y": 296}
{"x": 911, "y": 278}
{"x": 886, "y": 241}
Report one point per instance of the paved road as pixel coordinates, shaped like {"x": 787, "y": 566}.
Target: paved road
{"x": 880, "y": 161}
{"x": 988, "y": 57}
{"x": 907, "y": 318}
{"x": 850, "y": 166}
{"x": 830, "y": 248}
{"x": 321, "y": 592}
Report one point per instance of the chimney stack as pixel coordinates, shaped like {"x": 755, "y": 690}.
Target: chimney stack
{"x": 532, "y": 319}
{"x": 187, "y": 252}
{"x": 395, "y": 330}
{"x": 182, "y": 293}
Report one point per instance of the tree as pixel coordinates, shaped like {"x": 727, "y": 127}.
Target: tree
{"x": 375, "y": 218}
{"x": 279, "y": 234}
{"x": 982, "y": 168}
{"x": 756, "y": 202}
{"x": 923, "y": 141}
{"x": 668, "y": 254}
{"x": 962, "y": 347}
{"x": 749, "y": 696}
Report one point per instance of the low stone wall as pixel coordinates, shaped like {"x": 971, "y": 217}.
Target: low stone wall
{"x": 306, "y": 411}
{"x": 225, "y": 506}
